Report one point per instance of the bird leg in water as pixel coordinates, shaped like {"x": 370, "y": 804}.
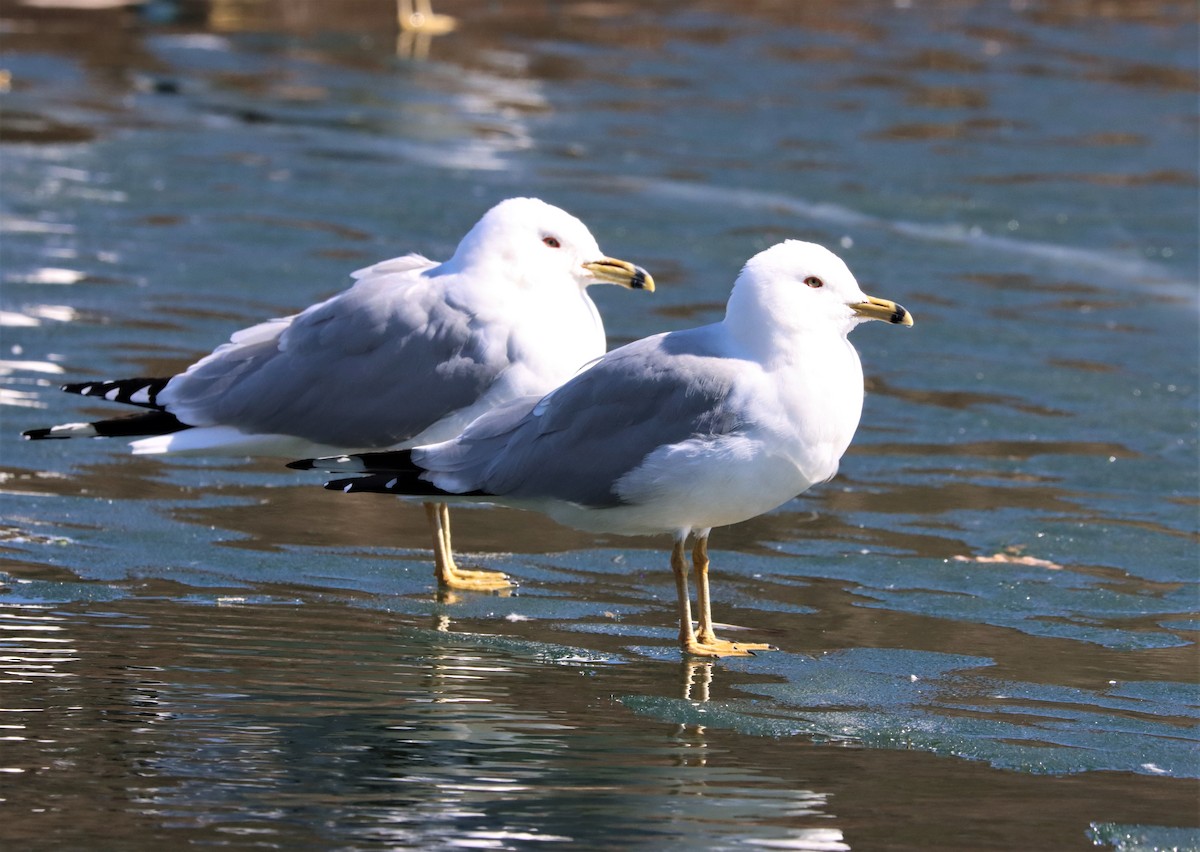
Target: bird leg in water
{"x": 449, "y": 575}
{"x": 688, "y": 640}
{"x": 705, "y": 637}
{"x": 679, "y": 567}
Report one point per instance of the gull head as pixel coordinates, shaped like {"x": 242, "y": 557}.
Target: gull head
{"x": 799, "y": 287}
{"x": 536, "y": 244}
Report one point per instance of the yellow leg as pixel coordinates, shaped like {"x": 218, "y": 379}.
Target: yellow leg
{"x": 687, "y": 639}
{"x": 704, "y": 631}
{"x": 449, "y": 575}
{"x": 467, "y": 573}
{"x": 683, "y": 599}
{"x": 706, "y": 637}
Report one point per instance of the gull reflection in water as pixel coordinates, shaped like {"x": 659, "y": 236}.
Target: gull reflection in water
{"x": 769, "y": 805}
{"x": 418, "y": 25}
{"x": 696, "y": 679}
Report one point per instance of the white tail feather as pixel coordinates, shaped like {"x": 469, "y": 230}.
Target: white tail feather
{"x": 73, "y": 430}
{"x": 227, "y": 441}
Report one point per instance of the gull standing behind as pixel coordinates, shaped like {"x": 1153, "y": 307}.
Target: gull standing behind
{"x": 676, "y": 433}
{"x": 409, "y": 355}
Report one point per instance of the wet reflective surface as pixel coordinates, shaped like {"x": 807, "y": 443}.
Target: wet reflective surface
{"x": 987, "y": 620}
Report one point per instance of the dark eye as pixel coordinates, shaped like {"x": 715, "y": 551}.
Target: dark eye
{"x": 814, "y": 282}
{"x": 551, "y": 241}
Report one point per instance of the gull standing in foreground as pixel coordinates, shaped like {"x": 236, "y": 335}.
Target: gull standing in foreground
{"x": 409, "y": 355}
{"x": 676, "y": 433}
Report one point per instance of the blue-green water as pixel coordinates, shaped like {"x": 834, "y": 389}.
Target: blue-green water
{"x": 988, "y": 620}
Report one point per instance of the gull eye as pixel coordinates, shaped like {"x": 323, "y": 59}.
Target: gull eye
{"x": 814, "y": 282}
{"x": 551, "y": 241}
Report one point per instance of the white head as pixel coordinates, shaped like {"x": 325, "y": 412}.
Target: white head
{"x": 801, "y": 288}
{"x": 539, "y": 244}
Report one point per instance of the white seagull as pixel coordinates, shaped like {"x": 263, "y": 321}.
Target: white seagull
{"x": 676, "y": 433}
{"x": 409, "y": 355}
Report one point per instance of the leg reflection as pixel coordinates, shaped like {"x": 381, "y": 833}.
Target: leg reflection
{"x": 696, "y": 677}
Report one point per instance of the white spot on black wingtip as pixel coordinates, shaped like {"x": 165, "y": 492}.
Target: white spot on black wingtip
{"x": 84, "y": 391}
{"x": 141, "y": 396}
{"x": 391, "y": 484}
{"x": 73, "y": 430}
{"x": 348, "y": 487}
{"x": 112, "y": 394}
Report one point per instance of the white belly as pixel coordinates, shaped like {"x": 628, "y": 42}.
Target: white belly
{"x": 697, "y": 485}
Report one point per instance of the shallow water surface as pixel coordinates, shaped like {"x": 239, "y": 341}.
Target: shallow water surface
{"x": 987, "y": 620}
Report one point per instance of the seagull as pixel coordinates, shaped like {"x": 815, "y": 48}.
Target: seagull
{"x": 410, "y": 354}
{"x": 676, "y": 433}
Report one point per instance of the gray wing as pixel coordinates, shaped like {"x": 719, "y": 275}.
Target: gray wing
{"x": 575, "y": 443}
{"x": 371, "y": 367}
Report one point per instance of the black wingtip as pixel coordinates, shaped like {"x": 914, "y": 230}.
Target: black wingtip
{"x": 140, "y": 391}
{"x": 302, "y": 464}
{"x": 38, "y": 435}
